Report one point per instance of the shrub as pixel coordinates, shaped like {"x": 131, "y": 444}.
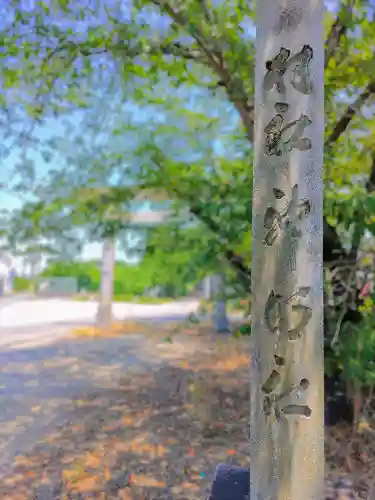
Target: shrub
{"x": 21, "y": 284}
{"x": 355, "y": 356}
{"x": 244, "y": 329}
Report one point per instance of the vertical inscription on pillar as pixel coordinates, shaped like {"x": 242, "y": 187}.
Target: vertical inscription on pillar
{"x": 286, "y": 317}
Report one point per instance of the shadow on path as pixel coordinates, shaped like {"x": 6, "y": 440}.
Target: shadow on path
{"x": 136, "y": 441}
{"x": 37, "y": 384}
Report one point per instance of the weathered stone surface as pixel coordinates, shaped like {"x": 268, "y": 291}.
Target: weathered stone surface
{"x": 230, "y": 483}
{"x": 286, "y": 376}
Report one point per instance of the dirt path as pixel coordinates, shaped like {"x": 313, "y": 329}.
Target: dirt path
{"x": 37, "y": 384}
{"x": 136, "y": 418}
{"x": 132, "y": 418}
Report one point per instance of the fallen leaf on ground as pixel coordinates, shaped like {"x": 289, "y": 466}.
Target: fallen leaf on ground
{"x": 87, "y": 485}
{"x": 153, "y": 424}
{"x": 10, "y": 481}
{"x": 231, "y": 452}
{"x": 92, "y": 460}
{"x": 189, "y": 486}
{"x": 143, "y": 480}
{"x": 125, "y": 495}
{"x": 23, "y": 461}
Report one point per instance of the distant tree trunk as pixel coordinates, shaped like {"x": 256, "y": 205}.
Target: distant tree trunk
{"x": 207, "y": 288}
{"x": 104, "y": 314}
{"x": 219, "y": 316}
{"x": 286, "y": 414}
{"x": 34, "y": 260}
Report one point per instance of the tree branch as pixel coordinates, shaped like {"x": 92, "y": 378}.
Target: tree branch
{"x": 242, "y": 102}
{"x": 235, "y": 260}
{"x": 215, "y": 60}
{"x": 349, "y": 114}
{"x": 175, "y": 49}
{"x": 208, "y": 14}
{"x": 370, "y": 184}
{"x": 181, "y": 20}
{"x": 338, "y": 30}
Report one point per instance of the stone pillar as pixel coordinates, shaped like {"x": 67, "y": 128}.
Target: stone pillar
{"x": 286, "y": 413}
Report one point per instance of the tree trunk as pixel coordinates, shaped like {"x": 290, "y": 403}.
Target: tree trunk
{"x": 219, "y": 316}
{"x": 207, "y": 288}
{"x": 287, "y": 417}
{"x": 104, "y": 314}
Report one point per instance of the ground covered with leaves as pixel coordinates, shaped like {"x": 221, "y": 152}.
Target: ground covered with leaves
{"x": 160, "y": 435}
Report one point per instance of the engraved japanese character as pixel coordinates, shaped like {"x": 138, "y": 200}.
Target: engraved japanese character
{"x": 273, "y": 312}
{"x": 275, "y": 71}
{"x": 272, "y": 136}
{"x": 279, "y": 140}
{"x": 282, "y": 62}
{"x": 272, "y": 382}
{"x": 300, "y": 78}
{"x": 272, "y": 222}
{"x": 274, "y": 401}
{"x": 277, "y": 309}
{"x": 274, "y": 379}
{"x": 275, "y": 404}
{"x": 304, "y": 314}
{"x": 273, "y": 219}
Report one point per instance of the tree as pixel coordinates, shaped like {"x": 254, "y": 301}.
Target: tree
{"x": 104, "y": 313}
{"x": 219, "y": 316}
{"x": 286, "y": 413}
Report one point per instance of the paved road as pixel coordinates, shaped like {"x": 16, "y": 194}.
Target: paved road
{"x": 26, "y": 322}
{"x": 21, "y": 311}
{"x": 6, "y": 300}
{"x": 42, "y": 370}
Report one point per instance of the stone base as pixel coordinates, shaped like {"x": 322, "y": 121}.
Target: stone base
{"x": 233, "y": 483}
{"x": 230, "y": 483}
